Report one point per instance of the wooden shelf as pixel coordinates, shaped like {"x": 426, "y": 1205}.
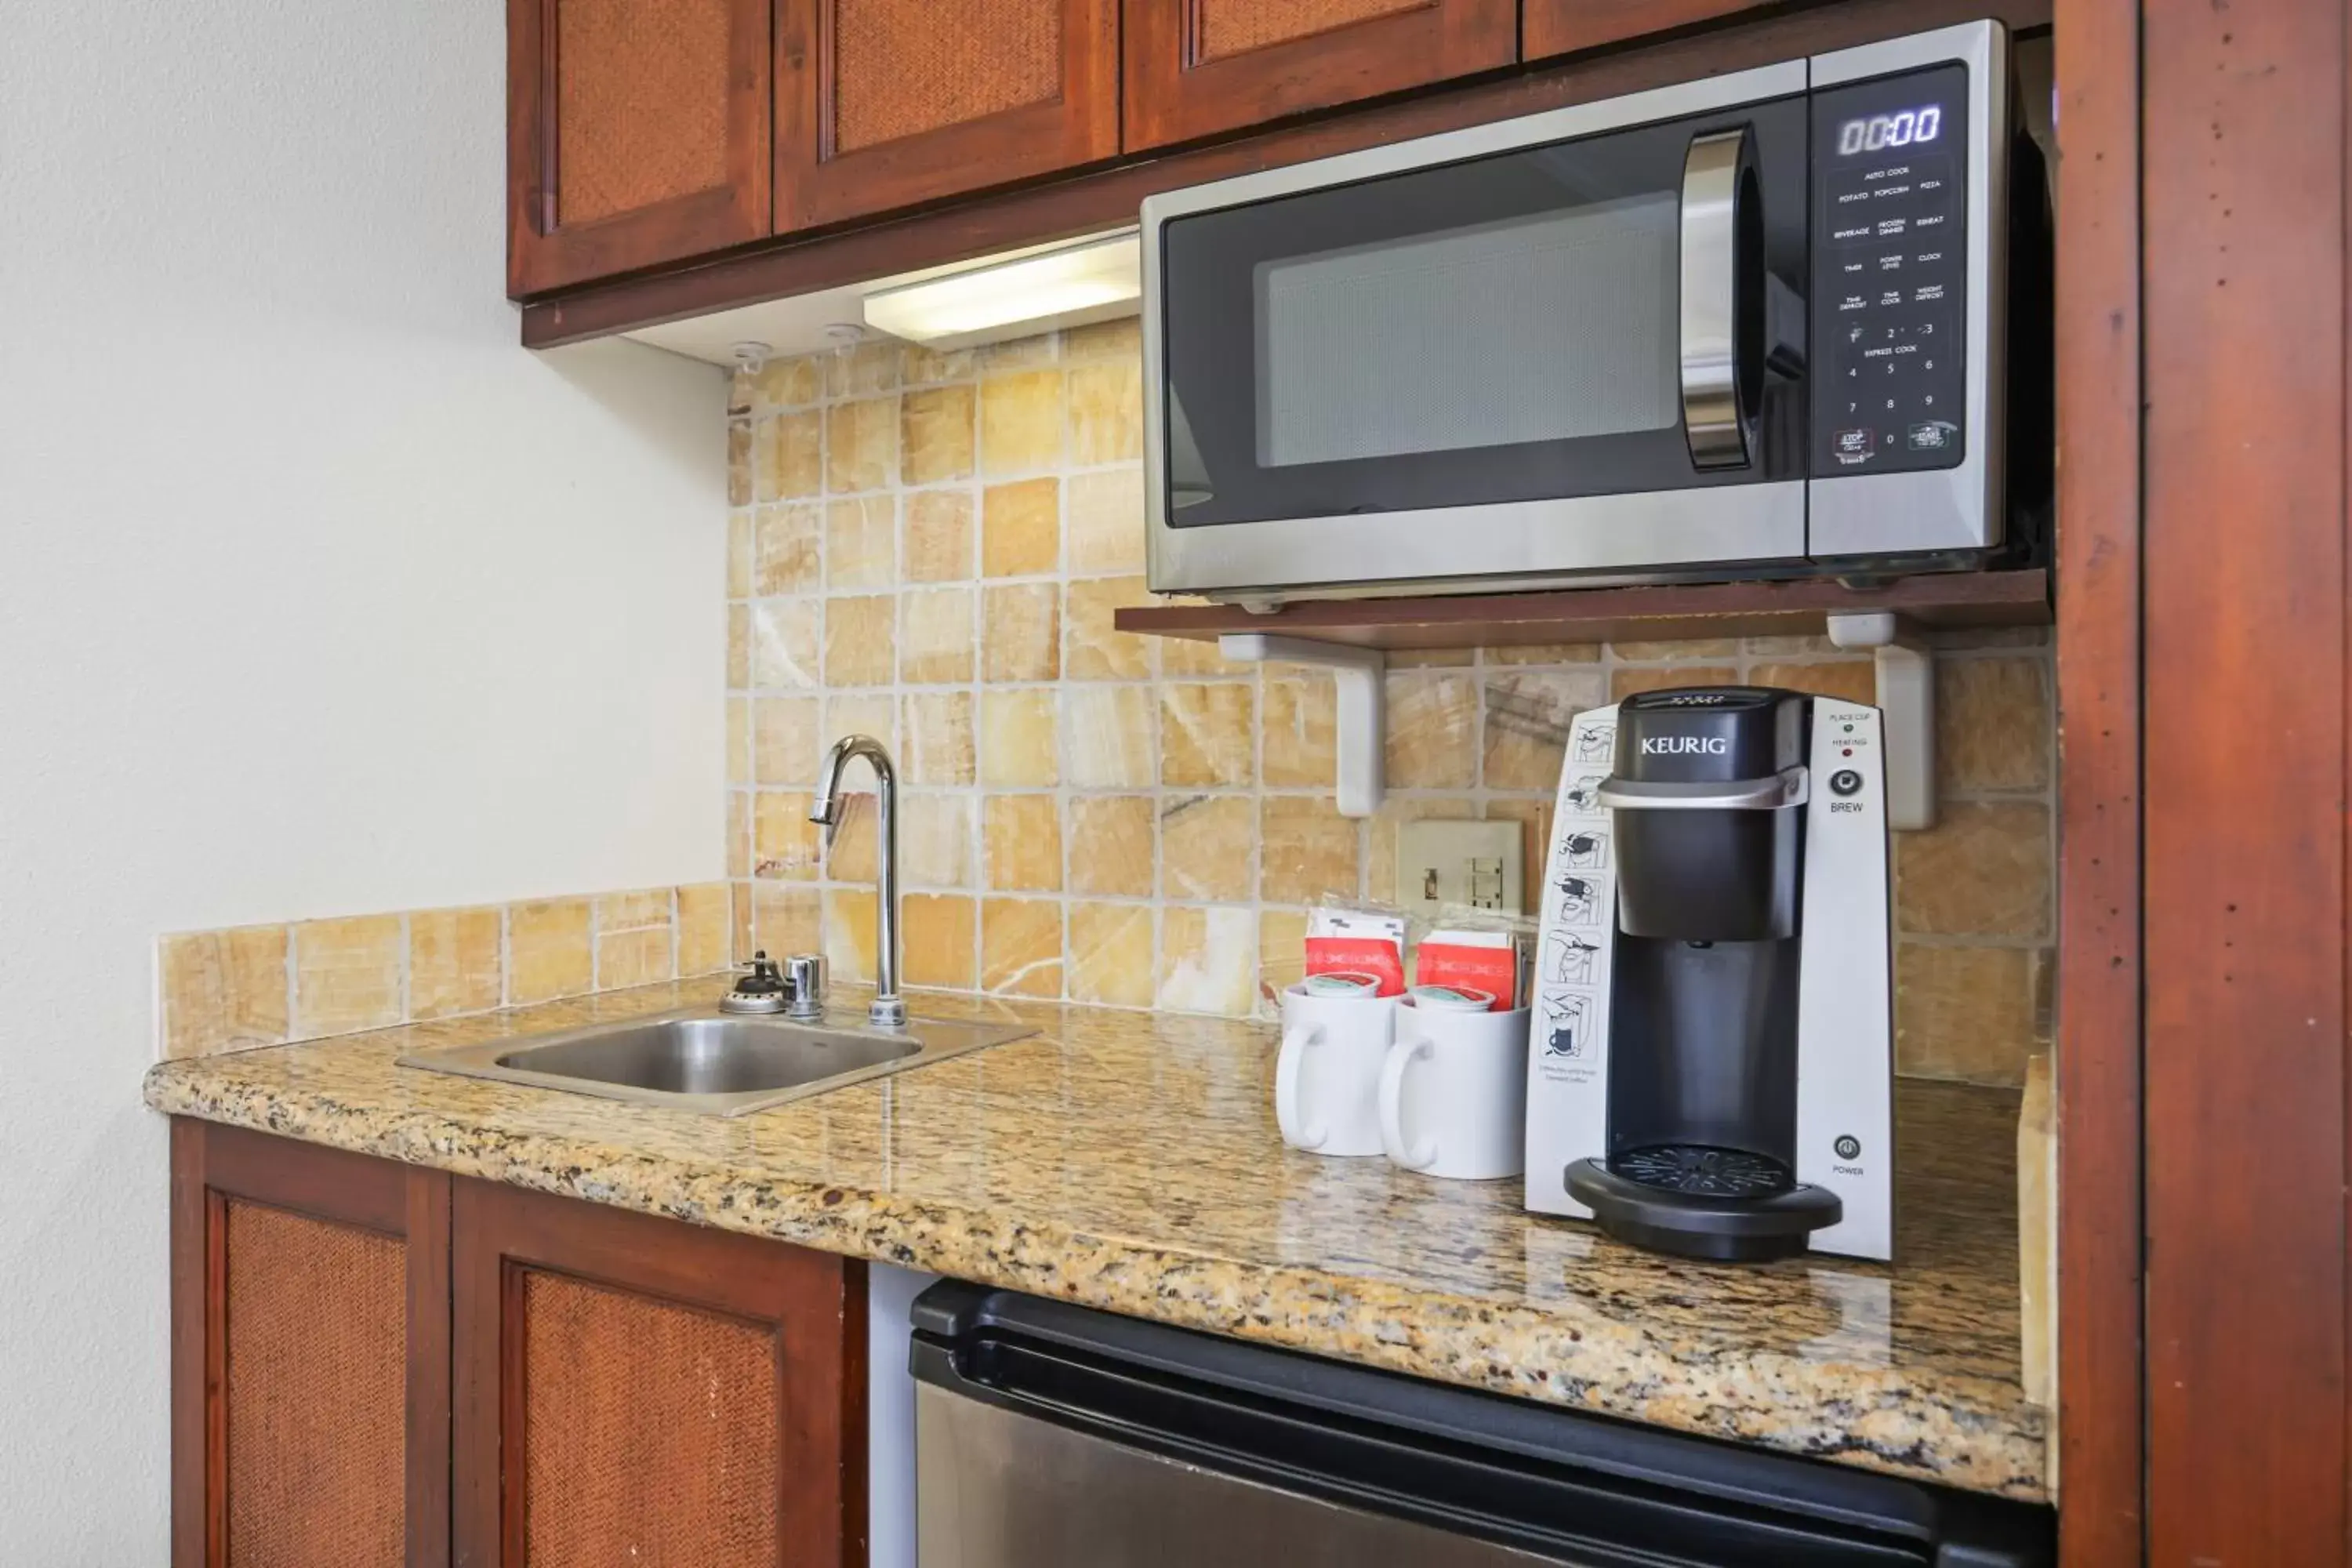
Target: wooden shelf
{"x": 2017, "y": 598}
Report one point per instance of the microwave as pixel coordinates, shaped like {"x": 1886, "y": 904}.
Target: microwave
{"x": 1753, "y": 326}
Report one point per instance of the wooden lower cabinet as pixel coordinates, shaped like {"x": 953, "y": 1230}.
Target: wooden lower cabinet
{"x": 378, "y": 1366}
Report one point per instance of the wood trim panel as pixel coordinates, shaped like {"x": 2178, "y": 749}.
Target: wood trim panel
{"x": 1561, "y": 26}
{"x": 1088, "y": 203}
{"x": 193, "y": 1532}
{"x": 2244, "y": 116}
{"x": 2100, "y": 1452}
{"x": 815, "y": 184}
{"x": 544, "y": 253}
{"x": 1173, "y": 95}
{"x": 814, "y": 1301}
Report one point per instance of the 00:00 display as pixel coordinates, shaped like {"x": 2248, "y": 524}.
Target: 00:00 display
{"x": 1883, "y": 131}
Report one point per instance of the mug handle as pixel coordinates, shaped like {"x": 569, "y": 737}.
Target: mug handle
{"x": 1400, "y": 1056}
{"x": 1296, "y": 1042}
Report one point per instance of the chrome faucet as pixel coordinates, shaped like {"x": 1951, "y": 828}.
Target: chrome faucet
{"x": 888, "y": 1009}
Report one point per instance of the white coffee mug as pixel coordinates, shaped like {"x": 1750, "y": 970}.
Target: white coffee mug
{"x": 1327, "y": 1081}
{"x": 1454, "y": 1093}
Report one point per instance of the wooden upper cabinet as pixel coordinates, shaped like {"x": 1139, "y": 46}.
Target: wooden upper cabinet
{"x": 1562, "y": 26}
{"x": 1195, "y": 67}
{"x": 636, "y": 134}
{"x": 883, "y": 104}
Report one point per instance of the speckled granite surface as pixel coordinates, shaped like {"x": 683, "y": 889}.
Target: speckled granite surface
{"x": 1129, "y": 1162}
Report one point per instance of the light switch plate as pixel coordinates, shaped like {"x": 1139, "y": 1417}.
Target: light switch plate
{"x": 1464, "y": 863}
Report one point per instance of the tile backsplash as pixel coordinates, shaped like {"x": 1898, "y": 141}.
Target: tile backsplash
{"x": 928, "y": 547}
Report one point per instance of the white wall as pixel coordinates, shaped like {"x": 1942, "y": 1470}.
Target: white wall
{"x": 318, "y": 595}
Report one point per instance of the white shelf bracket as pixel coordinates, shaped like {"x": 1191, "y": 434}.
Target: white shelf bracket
{"x": 1362, "y": 727}
{"x": 1907, "y": 696}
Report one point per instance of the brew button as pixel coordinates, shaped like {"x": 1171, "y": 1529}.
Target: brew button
{"x": 1845, "y": 780}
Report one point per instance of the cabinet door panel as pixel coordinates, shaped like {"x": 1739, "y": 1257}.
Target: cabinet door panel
{"x": 1195, "y": 67}
{"x": 637, "y": 133}
{"x": 883, "y": 104}
{"x": 633, "y": 1389}
{"x": 1561, "y": 26}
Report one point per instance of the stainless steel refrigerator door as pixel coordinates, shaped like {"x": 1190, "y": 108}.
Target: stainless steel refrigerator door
{"x": 994, "y": 1489}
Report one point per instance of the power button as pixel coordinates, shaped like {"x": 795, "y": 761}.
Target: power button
{"x": 1845, "y": 780}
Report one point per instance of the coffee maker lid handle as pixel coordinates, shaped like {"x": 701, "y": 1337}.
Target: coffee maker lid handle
{"x": 1787, "y": 787}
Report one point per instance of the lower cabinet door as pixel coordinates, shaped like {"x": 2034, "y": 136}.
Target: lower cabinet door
{"x": 309, "y": 1356}
{"x": 632, "y": 1390}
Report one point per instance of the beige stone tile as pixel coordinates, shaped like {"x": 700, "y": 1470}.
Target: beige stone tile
{"x": 854, "y": 853}
{"x": 1020, "y": 528}
{"x": 1122, "y": 339}
{"x": 739, "y": 911}
{"x": 940, "y": 748}
{"x": 1281, "y": 955}
{"x": 935, "y": 635}
{"x": 1298, "y": 721}
{"x": 1103, "y": 521}
{"x": 455, "y": 962}
{"x": 739, "y": 740}
{"x": 1525, "y": 727}
{"x": 1208, "y": 960}
{"x": 1107, "y": 411}
{"x": 1533, "y": 814}
{"x": 936, "y": 435}
{"x": 347, "y": 975}
{"x": 1018, "y": 748}
{"x": 785, "y": 643}
{"x": 639, "y": 957}
{"x": 1209, "y": 846}
{"x": 1206, "y": 734}
{"x": 1855, "y": 679}
{"x": 1020, "y": 422}
{"x": 1963, "y": 1013}
{"x": 1021, "y": 843}
{"x": 1625, "y": 683}
{"x": 1381, "y": 837}
{"x": 738, "y": 833}
{"x": 1307, "y": 850}
{"x": 936, "y": 947}
{"x": 1992, "y": 723}
{"x": 739, "y": 647}
{"x": 1110, "y": 736}
{"x": 935, "y": 839}
{"x": 1982, "y": 871}
{"x": 860, "y": 713}
{"x": 742, "y": 544}
{"x": 1021, "y": 947}
{"x": 1091, "y": 649}
{"x": 1432, "y": 731}
{"x": 848, "y": 933}
{"x": 1111, "y": 845}
{"x": 634, "y": 910}
{"x": 1678, "y": 648}
{"x": 784, "y": 742}
{"x": 1546, "y": 653}
{"x": 861, "y": 445}
{"x": 1021, "y": 631}
{"x": 788, "y": 455}
{"x": 548, "y": 951}
{"x": 789, "y": 917}
{"x": 868, "y": 368}
{"x": 923, "y": 366}
{"x": 703, "y": 929}
{"x": 939, "y": 534}
{"x": 224, "y": 990}
{"x": 1111, "y": 954}
{"x": 739, "y": 462}
{"x": 1021, "y": 354}
{"x": 788, "y": 383}
{"x": 789, "y": 552}
{"x": 784, "y": 842}
{"x": 861, "y": 543}
{"x": 1180, "y": 657}
{"x": 861, "y": 635}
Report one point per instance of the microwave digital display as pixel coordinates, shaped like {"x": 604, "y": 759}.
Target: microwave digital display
{"x": 1878, "y": 132}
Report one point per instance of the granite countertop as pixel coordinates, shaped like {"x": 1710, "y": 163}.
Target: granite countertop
{"x": 1129, "y": 1162}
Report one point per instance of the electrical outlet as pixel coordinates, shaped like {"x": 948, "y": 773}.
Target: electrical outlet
{"x": 1473, "y": 864}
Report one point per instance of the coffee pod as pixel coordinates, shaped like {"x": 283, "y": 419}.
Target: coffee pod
{"x": 1343, "y": 983}
{"x": 1452, "y": 998}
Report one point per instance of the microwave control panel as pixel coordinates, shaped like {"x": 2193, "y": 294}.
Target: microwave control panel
{"x": 1890, "y": 264}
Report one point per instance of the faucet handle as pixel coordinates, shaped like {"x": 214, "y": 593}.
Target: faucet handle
{"x": 805, "y": 977}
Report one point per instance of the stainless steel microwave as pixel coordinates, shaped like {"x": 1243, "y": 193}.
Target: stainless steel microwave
{"x": 1749, "y": 326}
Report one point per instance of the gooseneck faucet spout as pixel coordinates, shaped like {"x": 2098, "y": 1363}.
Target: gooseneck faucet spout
{"x": 888, "y": 1008}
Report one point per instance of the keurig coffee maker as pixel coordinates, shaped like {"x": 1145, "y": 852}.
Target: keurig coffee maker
{"x": 1711, "y": 1072}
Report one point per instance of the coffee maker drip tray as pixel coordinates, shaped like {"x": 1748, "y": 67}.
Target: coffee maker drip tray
{"x": 1698, "y": 1201}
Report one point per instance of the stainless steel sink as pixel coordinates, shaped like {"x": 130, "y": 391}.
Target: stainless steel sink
{"x": 698, "y": 1058}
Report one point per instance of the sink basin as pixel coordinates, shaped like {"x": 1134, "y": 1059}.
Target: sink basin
{"x": 698, "y": 1058}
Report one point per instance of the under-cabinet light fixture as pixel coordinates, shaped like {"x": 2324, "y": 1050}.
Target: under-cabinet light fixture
{"x": 1068, "y": 286}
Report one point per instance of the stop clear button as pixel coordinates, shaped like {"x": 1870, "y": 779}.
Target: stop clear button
{"x": 1845, "y": 780}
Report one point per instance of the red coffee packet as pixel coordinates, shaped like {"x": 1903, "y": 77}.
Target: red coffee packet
{"x": 1470, "y": 961}
{"x": 1357, "y": 942}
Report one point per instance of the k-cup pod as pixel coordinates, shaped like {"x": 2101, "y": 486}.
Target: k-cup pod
{"x": 1343, "y": 983}
{"x": 1453, "y": 999}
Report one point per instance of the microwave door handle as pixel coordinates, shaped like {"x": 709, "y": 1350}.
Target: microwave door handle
{"x": 1716, "y": 183}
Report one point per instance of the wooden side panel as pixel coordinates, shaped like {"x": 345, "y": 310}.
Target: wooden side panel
{"x": 1196, "y": 67}
{"x": 1558, "y": 26}
{"x": 2100, "y": 1411}
{"x": 637, "y": 133}
{"x": 883, "y": 104}
{"x": 633, "y": 1384}
{"x": 2244, "y": 295}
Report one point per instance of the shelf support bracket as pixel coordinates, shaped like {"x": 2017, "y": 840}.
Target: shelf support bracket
{"x": 1907, "y": 696}
{"x": 1362, "y": 728}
